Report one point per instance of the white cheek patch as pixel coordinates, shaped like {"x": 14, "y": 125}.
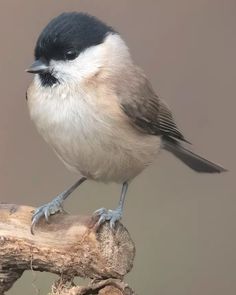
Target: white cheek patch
{"x": 86, "y": 64}
{"x": 111, "y": 54}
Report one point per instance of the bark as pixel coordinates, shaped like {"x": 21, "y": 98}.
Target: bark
{"x": 68, "y": 246}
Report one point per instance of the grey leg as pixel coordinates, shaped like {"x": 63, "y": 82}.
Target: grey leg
{"x": 113, "y": 215}
{"x": 54, "y": 206}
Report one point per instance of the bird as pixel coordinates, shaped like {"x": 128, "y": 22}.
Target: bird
{"x": 98, "y": 111}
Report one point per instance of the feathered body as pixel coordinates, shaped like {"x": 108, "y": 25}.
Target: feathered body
{"x": 96, "y": 108}
{"x": 82, "y": 118}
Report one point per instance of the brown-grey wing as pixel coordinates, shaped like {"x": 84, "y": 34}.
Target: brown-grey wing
{"x": 147, "y": 111}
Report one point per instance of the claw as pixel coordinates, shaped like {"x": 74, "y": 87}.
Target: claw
{"x": 32, "y": 229}
{"x": 101, "y": 220}
{"x": 108, "y": 215}
{"x": 35, "y": 220}
{"x": 45, "y": 211}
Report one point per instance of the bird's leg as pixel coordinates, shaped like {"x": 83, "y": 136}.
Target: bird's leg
{"x": 54, "y": 206}
{"x": 113, "y": 215}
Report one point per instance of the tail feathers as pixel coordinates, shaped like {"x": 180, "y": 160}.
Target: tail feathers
{"x": 191, "y": 159}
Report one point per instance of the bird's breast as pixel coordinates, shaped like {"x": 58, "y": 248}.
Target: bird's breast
{"x": 90, "y": 134}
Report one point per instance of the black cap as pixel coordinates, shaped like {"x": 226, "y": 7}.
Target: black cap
{"x": 67, "y": 35}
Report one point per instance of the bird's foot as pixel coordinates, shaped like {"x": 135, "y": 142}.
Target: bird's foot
{"x": 45, "y": 211}
{"x": 108, "y": 215}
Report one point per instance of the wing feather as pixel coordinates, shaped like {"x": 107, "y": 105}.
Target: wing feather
{"x": 146, "y": 110}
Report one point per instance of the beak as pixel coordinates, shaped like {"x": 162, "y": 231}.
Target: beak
{"x": 38, "y": 67}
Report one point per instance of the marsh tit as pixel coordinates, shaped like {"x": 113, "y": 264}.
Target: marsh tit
{"x": 97, "y": 109}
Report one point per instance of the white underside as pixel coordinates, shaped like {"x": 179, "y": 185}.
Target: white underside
{"x": 90, "y": 141}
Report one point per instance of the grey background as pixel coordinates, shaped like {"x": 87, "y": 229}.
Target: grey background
{"x": 183, "y": 223}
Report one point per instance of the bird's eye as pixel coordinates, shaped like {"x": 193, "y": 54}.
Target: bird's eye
{"x": 71, "y": 54}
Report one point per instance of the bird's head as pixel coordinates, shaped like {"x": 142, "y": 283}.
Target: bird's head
{"x": 72, "y": 46}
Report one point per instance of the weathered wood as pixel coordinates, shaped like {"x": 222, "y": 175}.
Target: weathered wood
{"x": 103, "y": 287}
{"x": 68, "y": 246}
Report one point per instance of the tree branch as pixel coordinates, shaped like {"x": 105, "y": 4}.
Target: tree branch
{"x": 69, "y": 246}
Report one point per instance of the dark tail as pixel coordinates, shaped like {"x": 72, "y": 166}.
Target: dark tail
{"x": 192, "y": 160}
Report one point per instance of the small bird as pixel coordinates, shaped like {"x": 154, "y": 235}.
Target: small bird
{"x": 97, "y": 109}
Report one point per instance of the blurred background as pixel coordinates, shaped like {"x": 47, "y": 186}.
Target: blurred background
{"x": 183, "y": 223}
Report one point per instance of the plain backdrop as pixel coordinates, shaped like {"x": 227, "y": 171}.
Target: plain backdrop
{"x": 183, "y": 223}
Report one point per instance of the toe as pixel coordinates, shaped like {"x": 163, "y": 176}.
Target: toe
{"x": 36, "y": 211}
{"x": 112, "y": 223}
{"x": 45, "y": 211}
{"x": 100, "y": 212}
{"x": 108, "y": 215}
{"x": 101, "y": 220}
{"x": 116, "y": 216}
